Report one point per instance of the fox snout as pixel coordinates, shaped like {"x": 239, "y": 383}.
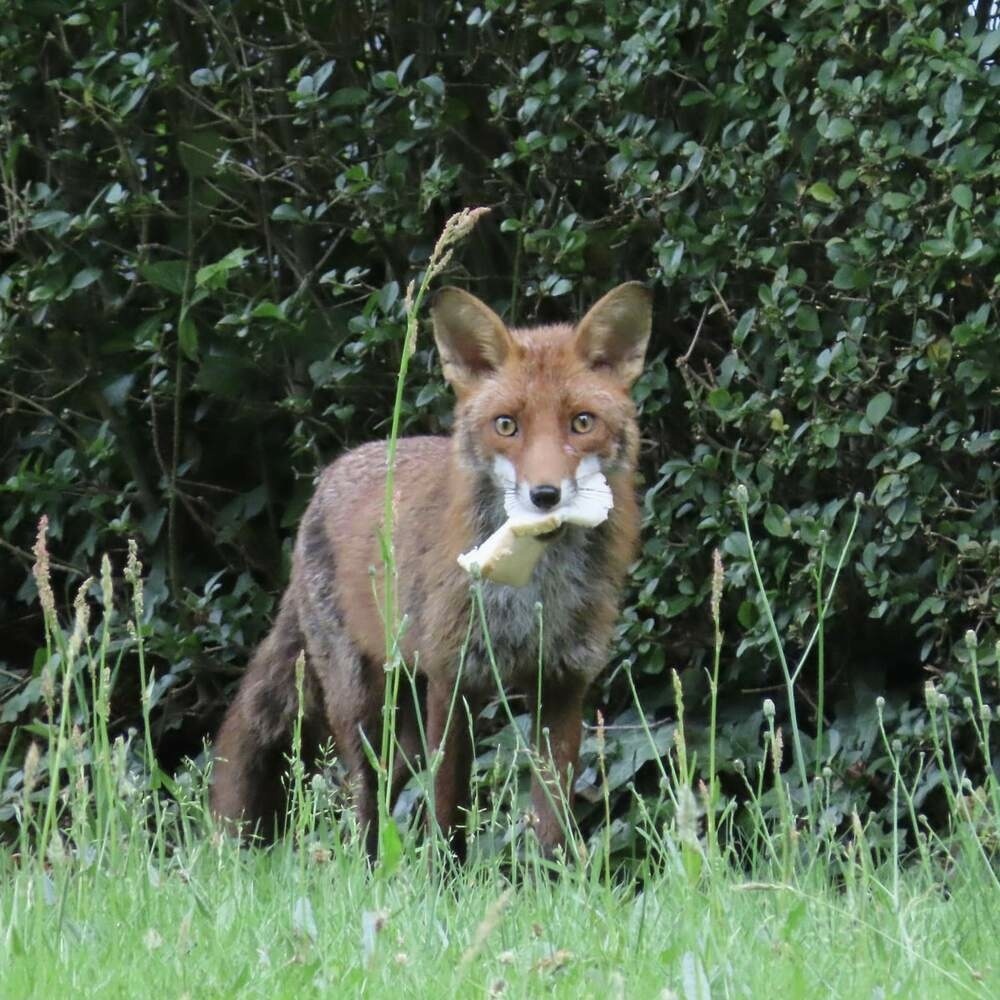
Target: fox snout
{"x": 545, "y": 497}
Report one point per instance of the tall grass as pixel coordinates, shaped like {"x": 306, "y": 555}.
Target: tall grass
{"x": 112, "y": 874}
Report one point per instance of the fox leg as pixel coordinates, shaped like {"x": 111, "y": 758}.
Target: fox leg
{"x": 559, "y": 728}
{"x": 248, "y": 791}
{"x": 352, "y": 702}
{"x": 450, "y": 747}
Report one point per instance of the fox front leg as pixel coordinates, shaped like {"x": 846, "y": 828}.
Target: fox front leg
{"x": 451, "y": 751}
{"x": 558, "y": 750}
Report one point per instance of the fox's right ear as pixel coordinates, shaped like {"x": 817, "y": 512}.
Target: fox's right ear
{"x": 470, "y": 336}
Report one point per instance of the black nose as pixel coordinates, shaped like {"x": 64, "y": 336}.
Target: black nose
{"x": 545, "y": 497}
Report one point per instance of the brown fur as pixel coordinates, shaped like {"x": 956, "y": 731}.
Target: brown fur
{"x": 447, "y": 500}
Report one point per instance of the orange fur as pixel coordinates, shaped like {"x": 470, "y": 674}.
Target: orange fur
{"x": 447, "y": 499}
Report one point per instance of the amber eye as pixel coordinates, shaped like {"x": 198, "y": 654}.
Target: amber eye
{"x": 506, "y": 426}
{"x": 583, "y": 423}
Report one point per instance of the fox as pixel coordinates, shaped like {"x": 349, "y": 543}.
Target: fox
{"x": 536, "y": 409}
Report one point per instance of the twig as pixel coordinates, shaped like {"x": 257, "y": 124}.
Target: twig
{"x": 683, "y": 359}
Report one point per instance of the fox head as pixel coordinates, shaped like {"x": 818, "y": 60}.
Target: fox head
{"x": 540, "y": 409}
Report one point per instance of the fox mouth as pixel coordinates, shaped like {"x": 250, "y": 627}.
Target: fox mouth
{"x": 551, "y": 536}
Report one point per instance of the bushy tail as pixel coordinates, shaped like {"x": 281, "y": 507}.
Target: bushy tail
{"x": 248, "y": 793}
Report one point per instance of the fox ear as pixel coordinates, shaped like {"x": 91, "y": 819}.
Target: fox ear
{"x": 614, "y": 334}
{"x": 470, "y": 336}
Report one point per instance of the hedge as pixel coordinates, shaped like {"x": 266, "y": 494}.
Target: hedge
{"x": 213, "y": 209}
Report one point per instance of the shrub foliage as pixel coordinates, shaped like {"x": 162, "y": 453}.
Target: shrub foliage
{"x": 212, "y": 211}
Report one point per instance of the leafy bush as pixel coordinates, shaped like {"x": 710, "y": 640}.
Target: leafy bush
{"x": 212, "y": 212}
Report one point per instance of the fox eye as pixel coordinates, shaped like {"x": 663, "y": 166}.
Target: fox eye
{"x": 583, "y": 423}
{"x": 505, "y": 426}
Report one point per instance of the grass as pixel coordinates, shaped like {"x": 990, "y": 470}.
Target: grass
{"x": 117, "y": 883}
{"x": 214, "y": 921}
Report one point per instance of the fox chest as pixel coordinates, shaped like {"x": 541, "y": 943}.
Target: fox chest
{"x": 521, "y": 636}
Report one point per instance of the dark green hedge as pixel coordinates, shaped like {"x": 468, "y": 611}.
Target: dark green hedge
{"x": 212, "y": 210}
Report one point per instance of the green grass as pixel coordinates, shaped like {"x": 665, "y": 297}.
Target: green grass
{"x": 118, "y": 885}
{"x": 212, "y": 920}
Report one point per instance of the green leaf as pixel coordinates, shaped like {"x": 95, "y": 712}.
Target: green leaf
{"x": 952, "y": 101}
{"x": 989, "y": 44}
{"x": 877, "y": 408}
{"x": 720, "y": 399}
{"x": 776, "y": 521}
{"x": 117, "y": 389}
{"x": 215, "y": 275}
{"x": 839, "y": 128}
{"x": 939, "y": 352}
{"x": 822, "y": 192}
{"x": 187, "y": 336}
{"x": 847, "y": 278}
{"x": 743, "y": 326}
{"x": 736, "y": 545}
{"x": 198, "y": 152}
{"x": 204, "y": 77}
{"x": 267, "y": 310}
{"x": 937, "y": 247}
{"x": 167, "y": 274}
{"x": 348, "y": 97}
{"x": 806, "y": 319}
{"x": 830, "y": 435}
{"x": 961, "y": 195}
{"x": 48, "y": 218}
{"x": 896, "y": 200}
{"x": 432, "y": 84}
{"x": 84, "y": 278}
{"x": 287, "y": 213}
{"x": 536, "y": 63}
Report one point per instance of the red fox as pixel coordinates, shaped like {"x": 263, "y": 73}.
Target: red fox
{"x": 536, "y": 410}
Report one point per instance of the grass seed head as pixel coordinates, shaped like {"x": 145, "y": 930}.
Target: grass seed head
{"x": 81, "y": 619}
{"x": 133, "y": 573}
{"x": 777, "y": 749}
{"x": 42, "y": 569}
{"x": 718, "y": 577}
{"x": 107, "y": 587}
{"x": 31, "y": 761}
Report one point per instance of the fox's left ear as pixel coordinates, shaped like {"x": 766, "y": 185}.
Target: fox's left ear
{"x": 614, "y": 334}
